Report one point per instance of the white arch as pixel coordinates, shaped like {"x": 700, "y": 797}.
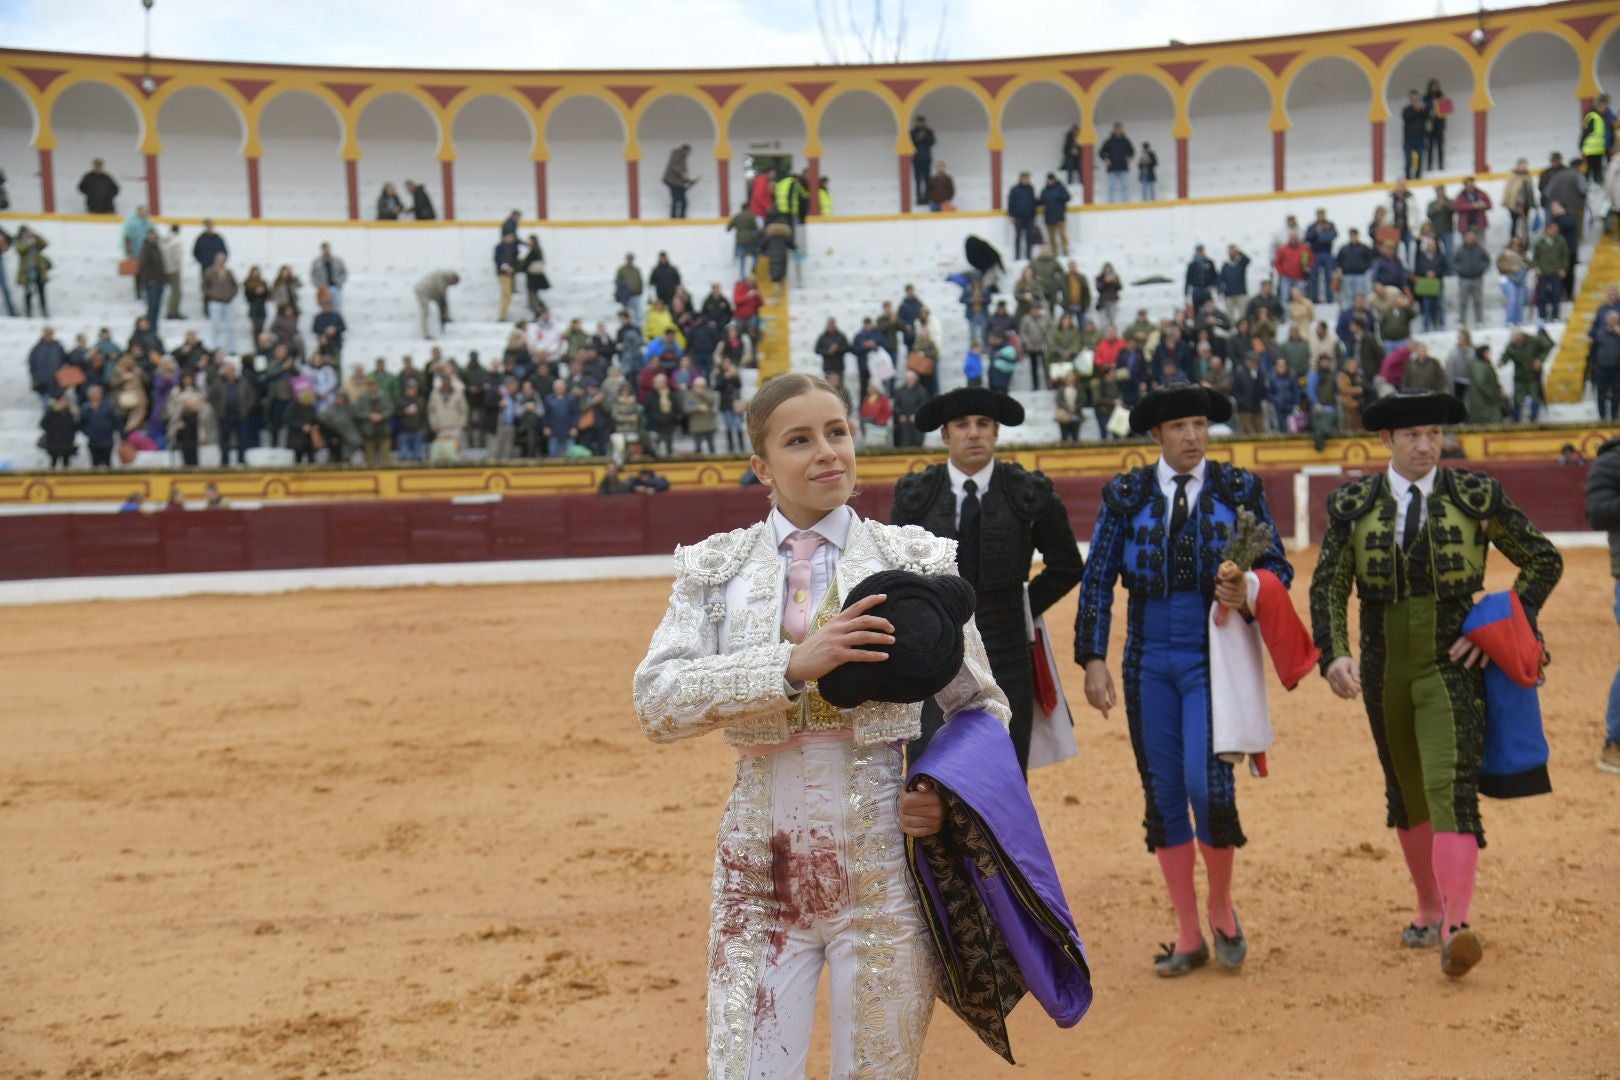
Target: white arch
{"x": 585, "y": 174}
{"x": 494, "y": 141}
{"x": 1329, "y": 135}
{"x": 200, "y": 170}
{"x": 97, "y": 120}
{"x": 301, "y": 170}
{"x": 858, "y": 133}
{"x": 1533, "y": 105}
{"x": 18, "y": 123}
{"x": 1147, "y": 110}
{"x": 399, "y": 141}
{"x": 1457, "y": 80}
{"x": 665, "y": 124}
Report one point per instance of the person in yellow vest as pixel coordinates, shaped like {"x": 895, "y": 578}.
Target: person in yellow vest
{"x": 824, "y": 201}
{"x": 1597, "y": 128}
{"x": 790, "y": 194}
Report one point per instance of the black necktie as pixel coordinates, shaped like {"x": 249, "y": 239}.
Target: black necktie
{"x": 1414, "y": 515}
{"x": 1178, "y": 513}
{"x": 967, "y": 532}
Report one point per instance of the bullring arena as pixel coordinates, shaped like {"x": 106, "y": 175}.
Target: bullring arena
{"x": 344, "y": 776}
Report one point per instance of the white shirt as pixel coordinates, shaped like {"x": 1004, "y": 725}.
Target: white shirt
{"x": 1167, "y": 483}
{"x": 1402, "y": 488}
{"x": 959, "y": 478}
{"x": 824, "y": 563}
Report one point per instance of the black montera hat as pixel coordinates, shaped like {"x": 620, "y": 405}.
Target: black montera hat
{"x": 928, "y": 614}
{"x": 969, "y": 401}
{"x": 1418, "y": 408}
{"x": 1177, "y": 402}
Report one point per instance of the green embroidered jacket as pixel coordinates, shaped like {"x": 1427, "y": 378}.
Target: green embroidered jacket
{"x": 1467, "y": 512}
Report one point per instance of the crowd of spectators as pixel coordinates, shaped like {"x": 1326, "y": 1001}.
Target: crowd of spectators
{"x": 668, "y": 377}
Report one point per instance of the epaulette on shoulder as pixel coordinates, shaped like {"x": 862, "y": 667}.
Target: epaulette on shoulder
{"x": 716, "y": 560}
{"x": 1129, "y": 491}
{"x": 1027, "y": 490}
{"x": 913, "y": 491}
{"x": 1349, "y": 502}
{"x": 1476, "y": 494}
{"x": 1238, "y": 484}
{"x": 913, "y": 548}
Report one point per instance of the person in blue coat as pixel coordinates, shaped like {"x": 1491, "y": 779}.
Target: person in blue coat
{"x": 1021, "y": 207}
{"x": 1164, "y": 529}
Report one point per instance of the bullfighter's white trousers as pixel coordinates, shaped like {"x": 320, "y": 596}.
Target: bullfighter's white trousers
{"x": 811, "y": 871}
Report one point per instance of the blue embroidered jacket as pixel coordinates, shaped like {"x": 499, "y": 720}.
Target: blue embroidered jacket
{"x": 1131, "y": 542}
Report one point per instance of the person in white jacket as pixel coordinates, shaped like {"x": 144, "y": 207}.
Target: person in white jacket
{"x": 811, "y": 868}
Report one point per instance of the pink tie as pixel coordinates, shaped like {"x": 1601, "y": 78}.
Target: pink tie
{"x": 796, "y": 619}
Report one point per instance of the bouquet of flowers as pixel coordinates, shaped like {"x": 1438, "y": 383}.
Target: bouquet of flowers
{"x": 1251, "y": 538}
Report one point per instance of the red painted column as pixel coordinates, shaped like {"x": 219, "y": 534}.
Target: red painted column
{"x": 1481, "y": 160}
{"x": 154, "y": 203}
{"x": 1181, "y": 168}
{"x": 1279, "y": 157}
{"x": 255, "y": 208}
{"x": 447, "y": 179}
{"x": 905, "y": 182}
{"x": 633, "y": 172}
{"x": 540, "y": 190}
{"x": 351, "y": 179}
{"x": 47, "y": 183}
{"x": 722, "y": 173}
{"x": 1378, "y": 151}
{"x": 995, "y": 179}
{"x": 1088, "y": 162}
{"x": 812, "y": 181}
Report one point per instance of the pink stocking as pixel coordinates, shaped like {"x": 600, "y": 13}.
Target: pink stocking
{"x": 1418, "y": 845}
{"x": 1456, "y": 860}
{"x": 1218, "y": 862}
{"x": 1177, "y": 863}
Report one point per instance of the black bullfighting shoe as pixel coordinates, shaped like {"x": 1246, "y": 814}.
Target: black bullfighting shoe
{"x": 1170, "y": 964}
{"x": 1420, "y": 937}
{"x": 1462, "y": 949}
{"x": 1230, "y": 951}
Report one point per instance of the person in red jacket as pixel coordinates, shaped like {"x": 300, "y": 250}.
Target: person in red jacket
{"x": 1470, "y": 206}
{"x": 745, "y": 301}
{"x": 759, "y": 196}
{"x": 1292, "y": 263}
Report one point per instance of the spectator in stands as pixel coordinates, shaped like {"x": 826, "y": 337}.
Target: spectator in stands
{"x": 375, "y": 418}
{"x": 1428, "y": 283}
{"x": 1147, "y": 170}
{"x": 628, "y": 288}
{"x": 44, "y": 359}
{"x": 701, "y": 404}
{"x": 189, "y": 420}
{"x": 1021, "y": 207}
{"x": 1519, "y": 197}
{"x": 1352, "y": 389}
{"x": 1116, "y": 154}
{"x": 1606, "y": 365}
{"x": 413, "y": 422}
{"x": 910, "y": 396}
{"x": 1597, "y": 137}
{"x": 1354, "y": 265}
{"x": 613, "y": 481}
{"x": 101, "y": 424}
{"x": 647, "y": 482}
{"x": 664, "y": 279}
{"x": 506, "y": 265}
{"x": 151, "y": 276}
{"x": 137, "y": 227}
{"x": 5, "y": 283}
{"x": 628, "y": 421}
{"x": 341, "y": 430}
{"x": 329, "y": 327}
{"x": 824, "y": 197}
{"x": 323, "y": 377}
{"x": 1109, "y": 287}
{"x": 1424, "y": 372}
{"x": 531, "y": 264}
{"x": 1320, "y": 238}
{"x": 329, "y": 274}
{"x": 233, "y": 401}
{"x": 1459, "y": 364}
{"x": 303, "y": 436}
{"x": 1469, "y": 264}
{"x": 1513, "y": 268}
{"x": 1250, "y": 388}
{"x": 1301, "y": 312}
{"x": 728, "y": 384}
{"x": 832, "y": 346}
{"x": 434, "y": 290}
{"x": 1070, "y": 404}
{"x": 559, "y": 419}
{"x": 447, "y": 415}
{"x": 99, "y": 189}
{"x": 746, "y": 242}
{"x": 1054, "y": 200}
{"x": 1201, "y": 279}
{"x": 761, "y": 195}
{"x": 1551, "y": 259}
{"x": 284, "y": 290}
{"x": 1233, "y": 282}
{"x": 1265, "y": 300}
{"x": 1402, "y": 209}
{"x": 1442, "y": 216}
{"x": 1414, "y": 133}
{"x": 203, "y": 249}
{"x": 389, "y": 205}
{"x": 256, "y": 291}
{"x": 219, "y": 295}
{"x": 1034, "y": 335}
{"x": 421, "y": 205}
{"x": 169, "y": 247}
{"x": 60, "y": 431}
{"x": 677, "y": 178}
{"x": 1526, "y": 354}
{"x": 1486, "y": 402}
{"x": 1472, "y": 204}
{"x": 1076, "y": 293}
{"x": 1292, "y": 263}
{"x": 1070, "y": 160}
{"x": 941, "y": 191}
{"x": 284, "y": 331}
{"x": 144, "y": 339}
{"x": 922, "y": 155}
{"x": 663, "y": 410}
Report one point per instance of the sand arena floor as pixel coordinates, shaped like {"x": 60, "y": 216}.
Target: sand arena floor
{"x": 416, "y": 833}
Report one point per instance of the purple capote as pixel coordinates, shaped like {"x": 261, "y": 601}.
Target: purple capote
{"x": 973, "y": 758}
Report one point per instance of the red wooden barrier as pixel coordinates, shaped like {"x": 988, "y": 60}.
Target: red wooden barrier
{"x": 305, "y": 535}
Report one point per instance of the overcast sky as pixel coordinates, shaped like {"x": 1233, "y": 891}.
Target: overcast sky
{"x": 542, "y": 34}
